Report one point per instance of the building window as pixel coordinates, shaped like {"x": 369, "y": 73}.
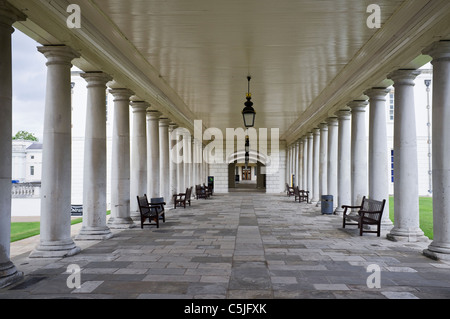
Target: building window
{"x": 391, "y": 106}
{"x": 32, "y": 156}
{"x": 32, "y": 170}
{"x": 392, "y": 166}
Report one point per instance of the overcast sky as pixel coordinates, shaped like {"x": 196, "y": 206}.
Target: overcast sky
{"x": 29, "y": 77}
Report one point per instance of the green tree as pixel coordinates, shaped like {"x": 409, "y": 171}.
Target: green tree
{"x": 24, "y": 135}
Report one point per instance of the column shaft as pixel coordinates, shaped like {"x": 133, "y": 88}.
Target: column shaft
{"x": 94, "y": 179}
{"x": 138, "y": 173}
{"x": 120, "y": 161}
{"x": 153, "y": 165}
{"x": 315, "y": 169}
{"x": 359, "y": 179}
{"x": 323, "y": 160}
{"x": 8, "y": 15}
{"x": 406, "y": 193}
{"x": 55, "y": 237}
{"x": 440, "y": 246}
{"x": 164, "y": 175}
{"x": 378, "y": 151}
{"x": 172, "y": 164}
{"x": 344, "y": 161}
{"x": 332, "y": 171}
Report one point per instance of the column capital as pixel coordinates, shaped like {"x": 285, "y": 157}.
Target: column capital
{"x": 96, "y": 79}
{"x": 323, "y": 126}
{"x": 139, "y": 106}
{"x": 58, "y": 54}
{"x": 153, "y": 115}
{"x": 343, "y": 114}
{"x": 316, "y": 131}
{"x": 164, "y": 122}
{"x": 403, "y": 76}
{"x": 309, "y": 135}
{"x": 358, "y": 105}
{"x": 9, "y": 15}
{"x": 121, "y": 94}
{"x": 332, "y": 121}
{"x": 439, "y": 50}
{"x": 377, "y": 93}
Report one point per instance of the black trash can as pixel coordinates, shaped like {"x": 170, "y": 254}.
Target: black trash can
{"x": 327, "y": 204}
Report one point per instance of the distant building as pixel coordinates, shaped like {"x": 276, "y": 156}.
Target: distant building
{"x": 26, "y": 161}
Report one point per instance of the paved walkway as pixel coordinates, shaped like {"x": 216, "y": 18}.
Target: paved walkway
{"x": 238, "y": 245}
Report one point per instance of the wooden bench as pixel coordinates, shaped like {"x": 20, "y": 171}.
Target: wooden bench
{"x": 182, "y": 198}
{"x": 209, "y": 192}
{"x": 369, "y": 213}
{"x": 200, "y": 192}
{"x": 153, "y": 210}
{"x": 290, "y": 190}
{"x": 301, "y": 195}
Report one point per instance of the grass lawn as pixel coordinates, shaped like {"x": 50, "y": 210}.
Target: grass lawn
{"x": 22, "y": 230}
{"x": 425, "y": 214}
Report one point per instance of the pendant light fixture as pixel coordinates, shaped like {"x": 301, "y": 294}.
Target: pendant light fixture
{"x": 248, "y": 113}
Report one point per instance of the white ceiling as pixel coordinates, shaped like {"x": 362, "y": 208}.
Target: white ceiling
{"x": 190, "y": 59}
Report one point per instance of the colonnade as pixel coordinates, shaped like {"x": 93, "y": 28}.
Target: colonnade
{"x": 332, "y": 158}
{"x": 348, "y": 167}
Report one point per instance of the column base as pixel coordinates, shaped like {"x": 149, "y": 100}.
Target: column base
{"x": 121, "y": 223}
{"x": 135, "y": 216}
{"x": 55, "y": 249}
{"x": 406, "y": 235}
{"x": 9, "y": 275}
{"x": 438, "y": 251}
{"x": 94, "y": 233}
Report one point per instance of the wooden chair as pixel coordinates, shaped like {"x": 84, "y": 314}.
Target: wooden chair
{"x": 208, "y": 191}
{"x": 152, "y": 211}
{"x": 290, "y": 190}
{"x": 296, "y": 193}
{"x": 369, "y": 213}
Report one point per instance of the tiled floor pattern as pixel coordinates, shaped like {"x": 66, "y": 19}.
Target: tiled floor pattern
{"x": 239, "y": 245}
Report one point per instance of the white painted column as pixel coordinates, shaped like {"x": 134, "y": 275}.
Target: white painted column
{"x": 310, "y": 167}
{"x": 187, "y": 159}
{"x": 332, "y": 172}
{"x": 315, "y": 169}
{"x": 344, "y": 161}
{"x": 138, "y": 175}
{"x": 178, "y": 152}
{"x": 305, "y": 163}
{"x": 153, "y": 165}
{"x": 120, "y": 161}
{"x": 164, "y": 160}
{"x": 295, "y": 162}
{"x": 300, "y": 165}
{"x": 378, "y": 151}
{"x": 323, "y": 190}
{"x": 406, "y": 193}
{"x": 440, "y": 246}
{"x": 55, "y": 237}
{"x": 8, "y": 15}
{"x": 172, "y": 164}
{"x": 359, "y": 175}
{"x": 94, "y": 179}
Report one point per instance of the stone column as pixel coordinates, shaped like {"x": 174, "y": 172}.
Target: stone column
{"x": 315, "y": 169}
{"x": 332, "y": 171}
{"x": 8, "y": 15}
{"x": 300, "y": 165}
{"x": 310, "y": 167}
{"x": 296, "y": 162}
{"x": 120, "y": 161}
{"x": 378, "y": 151}
{"x": 344, "y": 159}
{"x": 172, "y": 164}
{"x": 153, "y": 165}
{"x": 178, "y": 152}
{"x": 138, "y": 175}
{"x": 440, "y": 246}
{"x": 94, "y": 179}
{"x": 323, "y": 161}
{"x": 359, "y": 179}
{"x": 187, "y": 159}
{"x": 55, "y": 237}
{"x": 164, "y": 161}
{"x": 305, "y": 163}
{"x": 406, "y": 193}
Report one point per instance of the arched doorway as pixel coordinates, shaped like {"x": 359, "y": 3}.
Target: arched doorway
{"x": 250, "y": 177}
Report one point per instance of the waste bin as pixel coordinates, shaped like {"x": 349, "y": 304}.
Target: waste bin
{"x": 327, "y": 204}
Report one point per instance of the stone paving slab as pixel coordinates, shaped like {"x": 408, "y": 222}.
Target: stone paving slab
{"x": 238, "y": 246}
